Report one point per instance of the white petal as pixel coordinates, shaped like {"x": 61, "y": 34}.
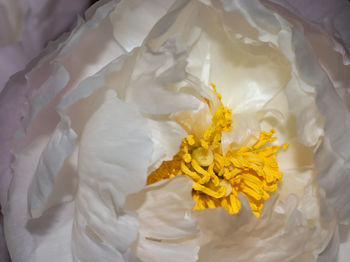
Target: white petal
{"x": 337, "y": 119}
{"x": 152, "y": 78}
{"x": 61, "y": 144}
{"x": 26, "y": 236}
{"x": 309, "y": 122}
{"x": 246, "y": 75}
{"x": 334, "y": 177}
{"x": 332, "y": 250}
{"x": 152, "y": 251}
{"x": 166, "y": 137}
{"x": 345, "y": 243}
{"x": 278, "y": 235}
{"x": 114, "y": 155}
{"x": 245, "y": 132}
{"x": 130, "y": 32}
{"x": 166, "y": 222}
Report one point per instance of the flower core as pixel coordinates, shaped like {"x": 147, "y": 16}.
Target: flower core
{"x": 217, "y": 177}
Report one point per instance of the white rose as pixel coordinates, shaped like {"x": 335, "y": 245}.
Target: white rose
{"x": 127, "y": 87}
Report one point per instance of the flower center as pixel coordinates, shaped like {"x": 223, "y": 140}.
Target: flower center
{"x": 217, "y": 177}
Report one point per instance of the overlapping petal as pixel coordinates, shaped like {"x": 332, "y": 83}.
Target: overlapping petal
{"x": 27, "y": 26}
{"x": 25, "y": 29}
{"x": 117, "y": 96}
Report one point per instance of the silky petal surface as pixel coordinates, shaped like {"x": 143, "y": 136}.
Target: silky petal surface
{"x": 100, "y": 223}
{"x": 52, "y": 229}
{"x": 166, "y": 222}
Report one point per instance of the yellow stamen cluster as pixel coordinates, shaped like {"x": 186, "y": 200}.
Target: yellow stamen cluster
{"x": 218, "y": 178}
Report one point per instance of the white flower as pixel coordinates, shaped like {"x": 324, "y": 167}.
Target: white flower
{"x": 129, "y": 86}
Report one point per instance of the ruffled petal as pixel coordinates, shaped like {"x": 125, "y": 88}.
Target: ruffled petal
{"x": 114, "y": 155}
{"x": 154, "y": 79}
{"x": 18, "y": 90}
{"x": 311, "y": 73}
{"x": 331, "y": 16}
{"x": 27, "y": 27}
{"x": 166, "y": 222}
{"x": 38, "y": 239}
{"x": 40, "y": 96}
{"x": 283, "y": 231}
{"x": 329, "y": 104}
{"x": 46, "y": 20}
{"x": 61, "y": 144}
{"x": 130, "y": 32}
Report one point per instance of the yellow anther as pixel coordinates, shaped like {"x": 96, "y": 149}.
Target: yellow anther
{"x": 187, "y": 158}
{"x": 204, "y": 144}
{"x": 214, "y": 178}
{"x": 206, "y": 176}
{"x": 210, "y": 192}
{"x": 235, "y": 204}
{"x": 189, "y": 173}
{"x": 190, "y": 140}
{"x": 250, "y": 192}
{"x": 198, "y": 168}
{"x": 218, "y": 178}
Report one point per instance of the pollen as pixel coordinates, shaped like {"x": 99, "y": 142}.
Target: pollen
{"x": 218, "y": 178}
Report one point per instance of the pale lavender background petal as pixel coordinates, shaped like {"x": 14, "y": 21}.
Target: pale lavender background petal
{"x": 4, "y": 256}
{"x": 44, "y": 20}
{"x": 332, "y": 15}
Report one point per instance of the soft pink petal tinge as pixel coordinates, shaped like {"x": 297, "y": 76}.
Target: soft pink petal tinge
{"x": 40, "y": 21}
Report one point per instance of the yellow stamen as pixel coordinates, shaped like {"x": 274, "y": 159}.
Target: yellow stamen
{"x": 218, "y": 178}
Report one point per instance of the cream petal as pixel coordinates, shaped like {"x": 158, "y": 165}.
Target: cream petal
{"x": 245, "y": 132}
{"x": 63, "y": 131}
{"x": 280, "y": 234}
{"x": 247, "y": 75}
{"x": 152, "y": 251}
{"x": 333, "y": 176}
{"x": 75, "y": 112}
{"x": 166, "y": 137}
{"x": 309, "y": 122}
{"x": 26, "y": 237}
{"x": 309, "y": 125}
{"x": 154, "y": 75}
{"x": 130, "y": 32}
{"x": 332, "y": 250}
{"x": 336, "y": 123}
{"x": 50, "y": 163}
{"x": 61, "y": 144}
{"x": 110, "y": 146}
{"x": 166, "y": 222}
